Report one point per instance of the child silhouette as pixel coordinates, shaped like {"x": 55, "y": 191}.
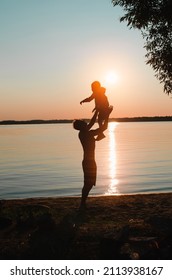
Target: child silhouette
{"x": 101, "y": 104}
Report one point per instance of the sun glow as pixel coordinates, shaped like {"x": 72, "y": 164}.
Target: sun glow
{"x": 111, "y": 78}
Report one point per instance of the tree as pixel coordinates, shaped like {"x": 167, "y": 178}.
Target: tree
{"x": 154, "y": 19}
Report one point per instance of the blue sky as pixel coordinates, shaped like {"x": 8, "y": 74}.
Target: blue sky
{"x": 51, "y": 51}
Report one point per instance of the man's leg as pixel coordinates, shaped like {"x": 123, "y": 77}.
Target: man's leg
{"x": 85, "y": 191}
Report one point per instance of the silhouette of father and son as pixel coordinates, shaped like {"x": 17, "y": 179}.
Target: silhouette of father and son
{"x": 88, "y": 136}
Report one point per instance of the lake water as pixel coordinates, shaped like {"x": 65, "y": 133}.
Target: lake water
{"x": 45, "y": 160}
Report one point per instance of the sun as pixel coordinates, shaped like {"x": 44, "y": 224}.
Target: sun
{"x": 111, "y": 77}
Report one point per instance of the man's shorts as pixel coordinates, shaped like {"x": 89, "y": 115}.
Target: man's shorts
{"x": 90, "y": 172}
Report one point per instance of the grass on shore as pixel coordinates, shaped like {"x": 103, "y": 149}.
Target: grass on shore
{"x": 112, "y": 227}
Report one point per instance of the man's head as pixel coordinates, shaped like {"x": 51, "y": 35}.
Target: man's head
{"x": 79, "y": 124}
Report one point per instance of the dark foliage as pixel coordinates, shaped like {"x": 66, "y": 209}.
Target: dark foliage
{"x": 154, "y": 19}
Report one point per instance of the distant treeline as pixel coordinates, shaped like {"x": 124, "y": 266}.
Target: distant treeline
{"x": 134, "y": 119}
{"x": 11, "y": 122}
{"x": 144, "y": 119}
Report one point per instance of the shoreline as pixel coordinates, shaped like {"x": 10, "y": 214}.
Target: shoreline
{"x": 113, "y": 227}
{"x": 79, "y": 196}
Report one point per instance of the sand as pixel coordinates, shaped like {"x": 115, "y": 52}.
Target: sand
{"x": 112, "y": 227}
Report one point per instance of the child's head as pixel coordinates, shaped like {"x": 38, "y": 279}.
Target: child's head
{"x": 95, "y": 86}
{"x": 79, "y": 124}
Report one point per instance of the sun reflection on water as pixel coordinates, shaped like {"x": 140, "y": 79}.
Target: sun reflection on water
{"x": 112, "y": 188}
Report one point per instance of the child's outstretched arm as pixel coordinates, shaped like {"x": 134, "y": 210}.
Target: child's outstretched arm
{"x": 88, "y": 99}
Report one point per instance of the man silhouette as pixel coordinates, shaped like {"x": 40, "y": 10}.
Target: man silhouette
{"x": 86, "y": 136}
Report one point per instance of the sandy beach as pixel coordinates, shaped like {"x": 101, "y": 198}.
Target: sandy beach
{"x": 112, "y": 227}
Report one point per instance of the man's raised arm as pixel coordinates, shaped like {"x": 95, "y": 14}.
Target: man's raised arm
{"x": 93, "y": 120}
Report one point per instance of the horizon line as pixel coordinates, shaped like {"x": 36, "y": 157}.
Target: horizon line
{"x": 121, "y": 119}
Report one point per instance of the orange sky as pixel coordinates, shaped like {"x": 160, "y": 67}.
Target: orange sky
{"x": 52, "y": 51}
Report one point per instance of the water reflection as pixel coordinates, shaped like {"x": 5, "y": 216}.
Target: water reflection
{"x": 112, "y": 188}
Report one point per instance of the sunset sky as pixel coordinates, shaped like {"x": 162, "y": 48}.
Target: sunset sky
{"x": 52, "y": 50}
